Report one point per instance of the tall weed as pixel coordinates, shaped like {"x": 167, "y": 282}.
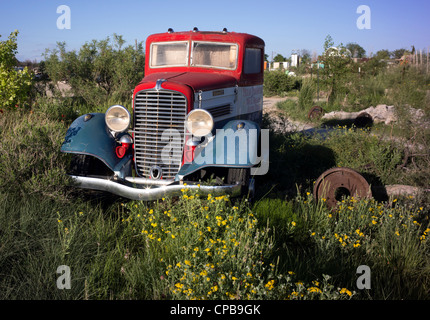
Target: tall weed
{"x": 30, "y": 157}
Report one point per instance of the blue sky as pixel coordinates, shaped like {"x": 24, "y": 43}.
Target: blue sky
{"x": 283, "y": 25}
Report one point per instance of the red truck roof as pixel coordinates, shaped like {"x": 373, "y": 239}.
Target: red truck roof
{"x": 243, "y": 40}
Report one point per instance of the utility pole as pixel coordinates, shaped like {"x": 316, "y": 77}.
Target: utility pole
{"x": 318, "y": 80}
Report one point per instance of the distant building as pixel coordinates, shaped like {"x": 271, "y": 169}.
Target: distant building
{"x": 294, "y": 60}
{"x": 280, "y": 65}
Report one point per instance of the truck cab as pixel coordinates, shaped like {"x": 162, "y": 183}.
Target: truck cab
{"x": 196, "y": 116}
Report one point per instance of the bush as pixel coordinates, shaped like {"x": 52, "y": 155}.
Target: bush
{"x": 15, "y": 85}
{"x": 279, "y": 83}
{"x": 212, "y": 249}
{"x": 391, "y": 238}
{"x": 101, "y": 71}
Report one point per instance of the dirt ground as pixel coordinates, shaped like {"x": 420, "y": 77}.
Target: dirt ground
{"x": 279, "y": 122}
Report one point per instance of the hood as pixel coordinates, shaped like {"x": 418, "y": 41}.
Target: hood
{"x": 196, "y": 80}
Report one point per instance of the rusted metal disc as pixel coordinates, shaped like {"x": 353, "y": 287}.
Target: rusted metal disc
{"x": 315, "y": 112}
{"x": 337, "y": 182}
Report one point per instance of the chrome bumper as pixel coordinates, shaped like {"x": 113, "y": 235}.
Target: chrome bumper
{"x": 148, "y": 193}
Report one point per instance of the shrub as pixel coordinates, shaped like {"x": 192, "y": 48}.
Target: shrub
{"x": 278, "y": 83}
{"x": 391, "y": 238}
{"x": 15, "y": 85}
{"x": 101, "y": 71}
{"x": 212, "y": 249}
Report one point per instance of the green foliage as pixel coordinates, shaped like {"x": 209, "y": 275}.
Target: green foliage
{"x": 307, "y": 94}
{"x": 278, "y": 249}
{"x": 383, "y": 54}
{"x": 15, "y": 85}
{"x": 211, "y": 249}
{"x": 100, "y": 71}
{"x": 336, "y": 68}
{"x": 398, "y": 53}
{"x": 392, "y": 239}
{"x": 356, "y": 50}
{"x": 279, "y": 83}
{"x": 30, "y": 157}
{"x": 279, "y": 58}
{"x": 366, "y": 153}
{"x": 365, "y": 90}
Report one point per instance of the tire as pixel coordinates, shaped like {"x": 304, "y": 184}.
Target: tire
{"x": 85, "y": 165}
{"x": 241, "y": 176}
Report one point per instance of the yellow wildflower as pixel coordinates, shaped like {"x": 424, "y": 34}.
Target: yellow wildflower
{"x": 345, "y": 291}
{"x": 314, "y": 289}
{"x": 269, "y": 285}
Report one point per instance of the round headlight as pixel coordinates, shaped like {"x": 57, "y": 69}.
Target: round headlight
{"x": 199, "y": 122}
{"x": 117, "y": 118}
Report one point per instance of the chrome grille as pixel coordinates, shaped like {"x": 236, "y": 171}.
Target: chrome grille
{"x": 156, "y": 111}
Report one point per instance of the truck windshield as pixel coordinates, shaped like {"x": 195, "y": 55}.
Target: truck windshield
{"x": 213, "y": 54}
{"x": 204, "y": 54}
{"x": 169, "y": 54}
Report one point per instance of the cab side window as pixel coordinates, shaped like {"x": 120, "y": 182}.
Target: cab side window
{"x": 252, "y": 62}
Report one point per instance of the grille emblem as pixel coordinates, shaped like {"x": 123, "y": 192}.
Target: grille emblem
{"x": 155, "y": 172}
{"x": 158, "y": 84}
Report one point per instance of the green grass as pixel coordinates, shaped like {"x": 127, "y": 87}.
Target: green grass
{"x": 211, "y": 248}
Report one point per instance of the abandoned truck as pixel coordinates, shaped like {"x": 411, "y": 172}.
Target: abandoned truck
{"x": 195, "y": 121}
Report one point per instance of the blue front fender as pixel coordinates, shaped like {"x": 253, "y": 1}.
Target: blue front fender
{"x": 231, "y": 147}
{"x": 92, "y": 137}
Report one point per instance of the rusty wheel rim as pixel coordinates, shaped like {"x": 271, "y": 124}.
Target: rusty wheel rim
{"x": 337, "y": 182}
{"x": 315, "y": 112}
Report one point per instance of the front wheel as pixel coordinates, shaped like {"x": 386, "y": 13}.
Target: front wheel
{"x": 86, "y": 165}
{"x": 242, "y": 176}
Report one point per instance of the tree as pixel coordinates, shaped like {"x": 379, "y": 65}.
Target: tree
{"x": 15, "y": 85}
{"x": 305, "y": 56}
{"x": 100, "y": 71}
{"x": 398, "y": 53}
{"x": 279, "y": 58}
{"x": 383, "y": 54}
{"x": 376, "y": 63}
{"x": 336, "y": 68}
{"x": 356, "y": 50}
